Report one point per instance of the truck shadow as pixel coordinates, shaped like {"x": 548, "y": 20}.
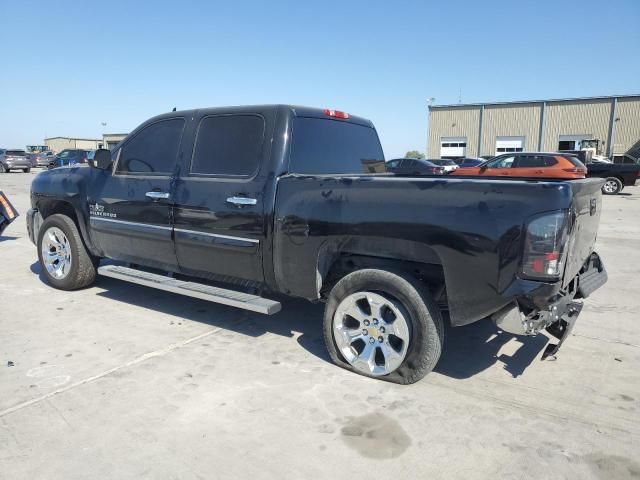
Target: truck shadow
{"x": 467, "y": 350}
{"x": 470, "y": 349}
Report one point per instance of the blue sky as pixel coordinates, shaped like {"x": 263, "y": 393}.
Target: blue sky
{"x": 68, "y": 66}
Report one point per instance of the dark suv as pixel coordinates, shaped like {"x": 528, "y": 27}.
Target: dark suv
{"x": 68, "y": 157}
{"x": 413, "y": 166}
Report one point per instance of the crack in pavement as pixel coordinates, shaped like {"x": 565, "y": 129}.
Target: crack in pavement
{"x": 135, "y": 361}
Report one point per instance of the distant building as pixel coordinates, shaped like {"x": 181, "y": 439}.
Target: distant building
{"x": 57, "y": 144}
{"x": 483, "y": 129}
{"x": 109, "y": 140}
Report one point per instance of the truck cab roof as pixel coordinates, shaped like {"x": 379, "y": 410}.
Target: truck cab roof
{"x": 295, "y": 110}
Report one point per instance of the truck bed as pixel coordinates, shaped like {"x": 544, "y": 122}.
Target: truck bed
{"x": 471, "y": 228}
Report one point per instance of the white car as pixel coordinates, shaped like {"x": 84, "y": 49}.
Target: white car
{"x": 448, "y": 165}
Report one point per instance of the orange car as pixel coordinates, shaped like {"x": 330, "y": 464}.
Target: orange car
{"x": 530, "y": 165}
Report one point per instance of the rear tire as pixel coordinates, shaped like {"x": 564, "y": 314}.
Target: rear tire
{"x": 413, "y": 307}
{"x": 68, "y": 266}
{"x": 26, "y": 170}
{"x": 612, "y": 186}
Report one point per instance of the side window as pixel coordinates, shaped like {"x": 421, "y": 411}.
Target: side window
{"x": 228, "y": 145}
{"x": 502, "y": 162}
{"x": 550, "y": 161}
{"x": 394, "y": 164}
{"x": 153, "y": 150}
{"x": 530, "y": 161}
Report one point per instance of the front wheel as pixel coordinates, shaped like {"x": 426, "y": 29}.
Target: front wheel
{"x": 383, "y": 324}
{"x": 64, "y": 259}
{"x": 612, "y": 186}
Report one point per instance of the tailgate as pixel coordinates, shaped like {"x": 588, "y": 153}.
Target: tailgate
{"x": 586, "y": 207}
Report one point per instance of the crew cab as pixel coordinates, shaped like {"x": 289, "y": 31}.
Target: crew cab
{"x": 240, "y": 205}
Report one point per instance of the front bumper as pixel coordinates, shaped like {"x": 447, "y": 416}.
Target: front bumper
{"x": 34, "y": 220}
{"x": 561, "y": 311}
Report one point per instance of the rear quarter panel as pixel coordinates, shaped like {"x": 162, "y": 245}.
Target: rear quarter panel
{"x": 472, "y": 227}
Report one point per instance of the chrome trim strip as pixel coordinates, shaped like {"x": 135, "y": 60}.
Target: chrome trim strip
{"x": 125, "y": 222}
{"x": 181, "y": 230}
{"x": 217, "y": 235}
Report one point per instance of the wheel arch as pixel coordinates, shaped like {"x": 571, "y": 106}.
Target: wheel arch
{"x": 48, "y": 206}
{"x": 335, "y": 261}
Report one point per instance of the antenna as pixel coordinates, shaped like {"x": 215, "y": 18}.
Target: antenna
{"x": 460, "y": 96}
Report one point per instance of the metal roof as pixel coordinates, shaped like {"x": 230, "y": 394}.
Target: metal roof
{"x": 520, "y": 102}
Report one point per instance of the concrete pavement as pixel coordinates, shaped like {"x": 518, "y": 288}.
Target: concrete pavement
{"x": 121, "y": 381}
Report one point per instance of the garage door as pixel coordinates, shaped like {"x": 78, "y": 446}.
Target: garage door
{"x": 509, "y": 145}
{"x": 453, "y": 147}
{"x": 571, "y": 142}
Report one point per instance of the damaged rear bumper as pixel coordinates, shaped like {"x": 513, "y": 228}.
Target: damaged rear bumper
{"x": 562, "y": 310}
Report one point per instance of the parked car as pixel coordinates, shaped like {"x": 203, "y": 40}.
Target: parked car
{"x": 530, "y": 165}
{"x": 469, "y": 162}
{"x": 44, "y": 158}
{"x": 32, "y": 159}
{"x": 448, "y": 165}
{"x": 617, "y": 175}
{"x": 68, "y": 157}
{"x": 274, "y": 198}
{"x": 14, "y": 160}
{"x": 413, "y": 166}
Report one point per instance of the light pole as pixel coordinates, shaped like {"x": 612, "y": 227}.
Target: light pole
{"x": 430, "y": 102}
{"x": 104, "y": 124}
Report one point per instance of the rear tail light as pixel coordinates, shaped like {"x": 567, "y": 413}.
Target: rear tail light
{"x": 544, "y": 246}
{"x": 576, "y": 170}
{"x": 638, "y": 174}
{"x": 336, "y": 114}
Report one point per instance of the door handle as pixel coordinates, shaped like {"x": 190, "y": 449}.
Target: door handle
{"x": 242, "y": 200}
{"x": 157, "y": 195}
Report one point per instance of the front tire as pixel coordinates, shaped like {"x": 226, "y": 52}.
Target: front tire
{"x": 612, "y": 186}
{"x": 383, "y": 324}
{"x": 64, "y": 259}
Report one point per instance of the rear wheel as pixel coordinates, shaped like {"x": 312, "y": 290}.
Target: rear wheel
{"x": 383, "y": 324}
{"x": 612, "y": 186}
{"x": 63, "y": 257}
{"x": 26, "y": 170}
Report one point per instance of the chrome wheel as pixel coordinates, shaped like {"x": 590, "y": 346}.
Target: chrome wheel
{"x": 371, "y": 332}
{"x": 610, "y": 186}
{"x": 56, "y": 253}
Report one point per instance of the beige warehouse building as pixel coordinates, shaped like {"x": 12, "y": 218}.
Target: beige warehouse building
{"x": 108, "y": 140}
{"x": 484, "y": 129}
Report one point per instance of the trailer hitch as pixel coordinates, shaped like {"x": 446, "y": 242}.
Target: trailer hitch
{"x": 561, "y": 329}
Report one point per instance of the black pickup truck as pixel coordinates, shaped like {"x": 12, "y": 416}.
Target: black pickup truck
{"x": 617, "y": 176}
{"x": 235, "y": 205}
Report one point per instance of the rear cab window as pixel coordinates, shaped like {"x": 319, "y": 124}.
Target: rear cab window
{"x": 334, "y": 147}
{"x": 228, "y": 145}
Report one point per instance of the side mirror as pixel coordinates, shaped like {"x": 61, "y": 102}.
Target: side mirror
{"x": 102, "y": 159}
